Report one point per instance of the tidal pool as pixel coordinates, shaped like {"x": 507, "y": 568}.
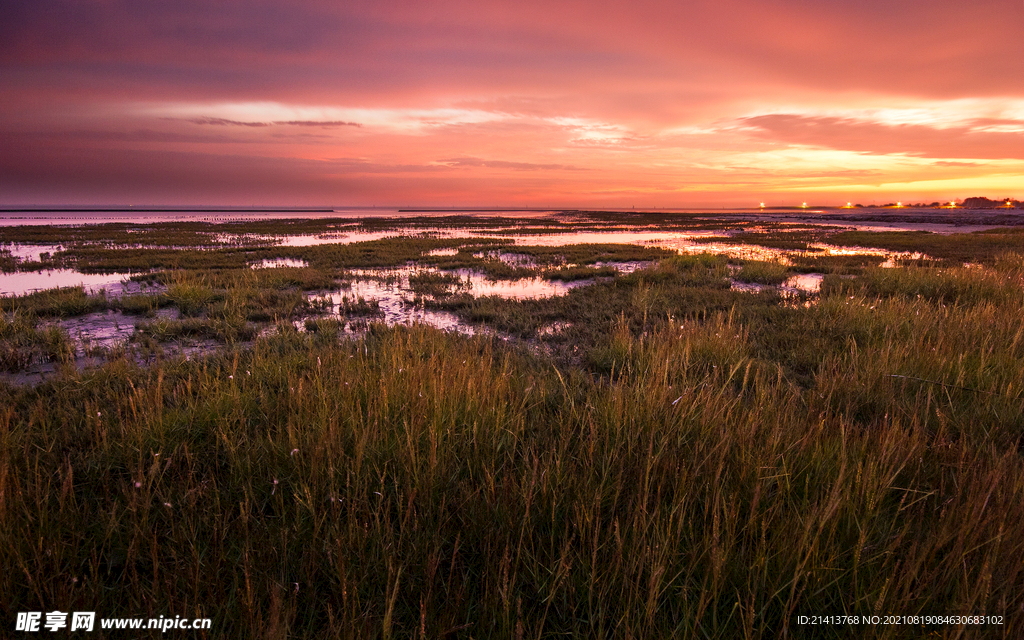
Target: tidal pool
{"x": 22, "y": 282}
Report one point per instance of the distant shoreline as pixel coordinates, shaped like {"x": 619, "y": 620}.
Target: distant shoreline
{"x": 159, "y": 210}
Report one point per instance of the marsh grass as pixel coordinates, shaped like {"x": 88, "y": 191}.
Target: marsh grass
{"x": 787, "y": 240}
{"x": 982, "y": 246}
{"x": 23, "y": 343}
{"x": 851, "y": 264}
{"x": 761, "y": 272}
{"x": 417, "y": 482}
{"x": 680, "y": 460}
{"x": 359, "y": 306}
{"x": 140, "y": 304}
{"x": 63, "y": 302}
{"x": 682, "y": 284}
{"x": 8, "y": 262}
{"x": 589, "y": 253}
{"x": 189, "y": 292}
{"x": 225, "y": 329}
{"x": 326, "y": 330}
{"x": 432, "y": 283}
{"x": 571, "y": 274}
{"x": 956, "y": 285}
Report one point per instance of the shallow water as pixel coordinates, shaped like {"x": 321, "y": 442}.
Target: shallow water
{"x": 804, "y": 283}
{"x": 391, "y": 290}
{"x": 30, "y": 252}
{"x": 23, "y": 282}
{"x": 145, "y": 215}
{"x": 394, "y": 308}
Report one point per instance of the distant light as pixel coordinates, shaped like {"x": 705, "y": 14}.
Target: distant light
{"x": 804, "y": 205}
{"x": 762, "y": 205}
{"x": 899, "y": 204}
{"x": 849, "y": 204}
{"x": 952, "y": 204}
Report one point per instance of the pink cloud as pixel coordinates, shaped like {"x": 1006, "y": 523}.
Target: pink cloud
{"x": 872, "y": 137}
{"x": 567, "y": 97}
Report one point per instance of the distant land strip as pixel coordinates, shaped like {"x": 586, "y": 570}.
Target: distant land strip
{"x": 483, "y": 210}
{"x": 156, "y": 210}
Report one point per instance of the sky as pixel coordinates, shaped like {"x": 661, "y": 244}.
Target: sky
{"x": 650, "y": 103}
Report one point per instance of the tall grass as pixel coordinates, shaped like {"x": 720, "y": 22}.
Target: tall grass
{"x": 714, "y": 468}
{"x": 189, "y": 292}
{"x": 417, "y": 484}
{"x": 23, "y": 343}
{"x": 760, "y": 272}
{"x": 963, "y": 285}
{"x": 62, "y": 302}
{"x": 981, "y": 246}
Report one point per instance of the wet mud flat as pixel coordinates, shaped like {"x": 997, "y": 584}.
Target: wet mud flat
{"x": 394, "y": 296}
{"x": 400, "y": 296}
{"x": 452, "y": 274}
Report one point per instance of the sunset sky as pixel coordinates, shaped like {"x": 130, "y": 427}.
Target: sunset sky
{"x": 527, "y": 103}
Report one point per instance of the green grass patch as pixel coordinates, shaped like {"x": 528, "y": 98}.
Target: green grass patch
{"x": 570, "y": 274}
{"x": 838, "y": 264}
{"x": 954, "y": 285}
{"x": 760, "y": 272}
{"x": 62, "y": 302}
{"x": 416, "y": 480}
{"x": 23, "y": 343}
{"x": 983, "y": 247}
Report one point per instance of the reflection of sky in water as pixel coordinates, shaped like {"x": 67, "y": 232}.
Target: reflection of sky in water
{"x": 391, "y": 298}
{"x": 945, "y": 221}
{"x": 733, "y": 250}
{"x": 800, "y": 283}
{"x": 478, "y": 284}
{"x": 31, "y": 252}
{"x": 24, "y": 282}
{"x": 891, "y": 256}
{"x": 527, "y": 288}
{"x": 390, "y": 288}
{"x": 681, "y": 241}
{"x": 101, "y": 216}
{"x": 807, "y": 282}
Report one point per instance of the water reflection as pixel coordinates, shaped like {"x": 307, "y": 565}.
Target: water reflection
{"x": 22, "y": 282}
{"x": 806, "y": 282}
{"x": 394, "y": 306}
{"x": 31, "y": 252}
{"x": 800, "y": 284}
